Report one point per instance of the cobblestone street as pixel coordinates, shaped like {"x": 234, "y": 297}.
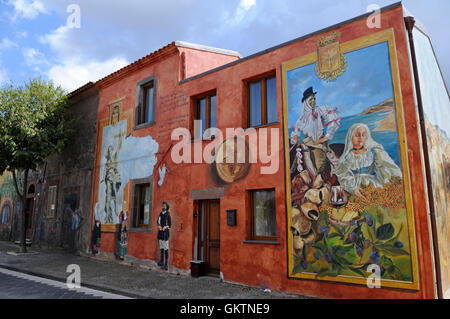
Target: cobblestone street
{"x": 15, "y": 285}
{"x": 129, "y": 278}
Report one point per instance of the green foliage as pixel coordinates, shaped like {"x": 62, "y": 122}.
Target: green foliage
{"x": 34, "y": 123}
{"x": 391, "y": 250}
{"x": 385, "y": 231}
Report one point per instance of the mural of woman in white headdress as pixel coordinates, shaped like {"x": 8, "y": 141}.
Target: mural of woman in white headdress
{"x": 364, "y": 162}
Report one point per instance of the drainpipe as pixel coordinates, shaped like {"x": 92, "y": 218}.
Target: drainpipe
{"x": 409, "y": 22}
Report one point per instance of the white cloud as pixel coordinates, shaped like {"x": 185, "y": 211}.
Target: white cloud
{"x": 73, "y": 74}
{"x": 34, "y": 57}
{"x": 76, "y": 66}
{"x": 22, "y": 34}
{"x": 3, "y": 76}
{"x": 242, "y": 10}
{"x": 7, "y": 44}
{"x": 57, "y": 39}
{"x": 247, "y": 4}
{"x": 27, "y": 9}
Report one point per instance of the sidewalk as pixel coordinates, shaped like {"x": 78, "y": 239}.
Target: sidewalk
{"x": 133, "y": 280}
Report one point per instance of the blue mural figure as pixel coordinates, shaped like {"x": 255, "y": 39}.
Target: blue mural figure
{"x": 76, "y": 225}
{"x": 112, "y": 178}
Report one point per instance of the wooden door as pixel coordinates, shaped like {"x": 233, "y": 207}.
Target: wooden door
{"x": 213, "y": 237}
{"x": 208, "y": 248}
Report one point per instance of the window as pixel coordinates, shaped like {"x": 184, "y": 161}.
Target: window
{"x": 146, "y": 102}
{"x": 147, "y": 115}
{"x": 262, "y": 101}
{"x": 205, "y": 111}
{"x": 51, "y": 202}
{"x": 263, "y": 215}
{"x": 142, "y": 203}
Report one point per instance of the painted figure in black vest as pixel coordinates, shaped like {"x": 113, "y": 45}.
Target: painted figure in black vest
{"x": 164, "y": 224}
{"x": 96, "y": 236}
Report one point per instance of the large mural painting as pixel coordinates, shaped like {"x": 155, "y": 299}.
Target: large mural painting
{"x": 436, "y": 107}
{"x": 348, "y": 189}
{"x": 123, "y": 158}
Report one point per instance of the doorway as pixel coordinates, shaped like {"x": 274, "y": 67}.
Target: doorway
{"x": 70, "y": 205}
{"x": 208, "y": 234}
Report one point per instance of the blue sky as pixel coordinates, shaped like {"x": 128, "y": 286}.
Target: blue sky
{"x": 36, "y": 41}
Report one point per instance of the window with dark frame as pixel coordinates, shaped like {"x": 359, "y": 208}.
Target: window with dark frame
{"x": 262, "y": 101}
{"x": 205, "y": 111}
{"x": 142, "y": 204}
{"x": 51, "y": 202}
{"x": 263, "y": 215}
{"x": 147, "y": 114}
{"x": 146, "y": 102}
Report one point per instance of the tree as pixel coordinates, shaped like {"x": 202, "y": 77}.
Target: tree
{"x": 34, "y": 124}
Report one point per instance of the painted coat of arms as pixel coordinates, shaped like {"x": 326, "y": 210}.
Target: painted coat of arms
{"x": 331, "y": 62}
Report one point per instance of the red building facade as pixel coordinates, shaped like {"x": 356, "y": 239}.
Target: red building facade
{"x": 234, "y": 216}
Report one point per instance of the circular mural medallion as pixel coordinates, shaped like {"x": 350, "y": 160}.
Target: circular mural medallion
{"x": 232, "y": 160}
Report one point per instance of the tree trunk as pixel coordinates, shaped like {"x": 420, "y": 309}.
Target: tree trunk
{"x": 23, "y": 200}
{"x": 23, "y": 241}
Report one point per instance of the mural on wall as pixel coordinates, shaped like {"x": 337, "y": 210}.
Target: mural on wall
{"x": 232, "y": 161}
{"x": 123, "y": 158}
{"x": 5, "y": 213}
{"x": 346, "y": 170}
{"x": 8, "y": 211}
{"x": 115, "y": 113}
{"x": 436, "y": 106}
{"x": 122, "y": 235}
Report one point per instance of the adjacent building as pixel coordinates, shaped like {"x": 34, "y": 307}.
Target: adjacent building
{"x": 59, "y": 192}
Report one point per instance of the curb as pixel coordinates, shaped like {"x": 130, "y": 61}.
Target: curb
{"x": 83, "y": 284}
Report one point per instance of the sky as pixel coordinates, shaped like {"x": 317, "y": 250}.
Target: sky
{"x": 45, "y": 38}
